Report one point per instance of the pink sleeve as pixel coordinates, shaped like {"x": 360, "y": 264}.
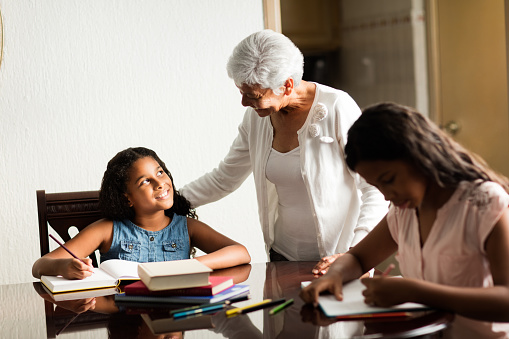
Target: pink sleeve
{"x": 392, "y": 221}
{"x": 498, "y": 202}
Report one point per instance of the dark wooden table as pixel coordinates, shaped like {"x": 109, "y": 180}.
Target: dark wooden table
{"x": 266, "y": 280}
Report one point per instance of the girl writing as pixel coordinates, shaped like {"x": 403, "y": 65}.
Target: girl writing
{"x": 146, "y": 220}
{"x": 448, "y": 220}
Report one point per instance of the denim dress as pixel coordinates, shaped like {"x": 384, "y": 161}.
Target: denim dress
{"x": 133, "y": 243}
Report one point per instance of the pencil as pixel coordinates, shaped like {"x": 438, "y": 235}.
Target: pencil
{"x": 280, "y": 307}
{"x": 191, "y": 308}
{"x": 68, "y": 250}
{"x": 259, "y": 307}
{"x": 239, "y": 309}
{"x": 199, "y": 310}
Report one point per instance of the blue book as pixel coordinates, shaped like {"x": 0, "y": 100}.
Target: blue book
{"x": 234, "y": 291}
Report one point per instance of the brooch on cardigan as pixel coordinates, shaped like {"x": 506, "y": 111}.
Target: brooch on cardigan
{"x": 319, "y": 113}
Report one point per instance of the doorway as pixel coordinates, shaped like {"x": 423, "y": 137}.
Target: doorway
{"x": 446, "y": 58}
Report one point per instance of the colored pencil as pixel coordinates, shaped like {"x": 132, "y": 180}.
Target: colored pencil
{"x": 68, "y": 250}
{"x": 281, "y": 307}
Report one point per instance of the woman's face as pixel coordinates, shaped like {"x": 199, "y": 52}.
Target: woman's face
{"x": 399, "y": 181}
{"x": 262, "y": 100}
{"x": 149, "y": 188}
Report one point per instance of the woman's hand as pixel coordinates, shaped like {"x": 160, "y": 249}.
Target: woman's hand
{"x": 330, "y": 282}
{"x": 323, "y": 265}
{"x": 75, "y": 268}
{"x": 387, "y": 291}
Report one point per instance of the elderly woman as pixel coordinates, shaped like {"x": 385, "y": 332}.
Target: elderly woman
{"x": 292, "y": 139}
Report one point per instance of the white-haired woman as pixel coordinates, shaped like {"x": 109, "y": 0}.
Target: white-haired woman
{"x": 292, "y": 138}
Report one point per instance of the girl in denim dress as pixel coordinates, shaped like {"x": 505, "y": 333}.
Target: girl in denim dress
{"x": 146, "y": 219}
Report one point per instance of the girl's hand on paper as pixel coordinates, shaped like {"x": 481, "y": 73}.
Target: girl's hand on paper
{"x": 330, "y": 282}
{"x": 386, "y": 291}
{"x": 76, "y": 269}
{"x": 323, "y": 265}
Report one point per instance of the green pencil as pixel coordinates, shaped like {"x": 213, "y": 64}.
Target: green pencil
{"x": 280, "y": 307}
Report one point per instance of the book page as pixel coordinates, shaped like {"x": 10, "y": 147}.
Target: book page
{"x": 121, "y": 269}
{"x": 353, "y": 302}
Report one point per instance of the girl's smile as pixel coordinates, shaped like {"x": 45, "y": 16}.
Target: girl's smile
{"x": 164, "y": 195}
{"x": 149, "y": 188}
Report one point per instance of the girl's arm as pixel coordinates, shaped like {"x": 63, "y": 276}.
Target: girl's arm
{"x": 221, "y": 251}
{"x": 372, "y": 250}
{"x": 97, "y": 235}
{"x": 482, "y": 303}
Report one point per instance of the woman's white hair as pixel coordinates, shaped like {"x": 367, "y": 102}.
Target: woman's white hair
{"x": 267, "y": 59}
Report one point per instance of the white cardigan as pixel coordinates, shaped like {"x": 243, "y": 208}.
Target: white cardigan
{"x": 345, "y": 208}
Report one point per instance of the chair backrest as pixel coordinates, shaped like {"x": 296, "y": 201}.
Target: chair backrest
{"x": 61, "y": 211}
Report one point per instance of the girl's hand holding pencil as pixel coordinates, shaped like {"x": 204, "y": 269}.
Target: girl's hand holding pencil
{"x": 383, "y": 291}
{"x": 76, "y": 268}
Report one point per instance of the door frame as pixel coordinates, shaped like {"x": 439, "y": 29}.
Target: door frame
{"x": 272, "y": 15}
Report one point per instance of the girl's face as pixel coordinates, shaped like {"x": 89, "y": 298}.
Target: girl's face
{"x": 149, "y": 188}
{"x": 263, "y": 101}
{"x": 399, "y": 181}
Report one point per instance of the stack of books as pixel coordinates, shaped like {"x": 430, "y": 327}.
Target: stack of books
{"x": 179, "y": 282}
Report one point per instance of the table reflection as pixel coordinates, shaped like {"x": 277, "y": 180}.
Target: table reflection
{"x": 266, "y": 280}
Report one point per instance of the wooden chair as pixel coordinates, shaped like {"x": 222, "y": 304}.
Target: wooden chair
{"x": 61, "y": 211}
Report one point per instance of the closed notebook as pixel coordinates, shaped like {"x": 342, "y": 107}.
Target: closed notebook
{"x": 167, "y": 275}
{"x": 76, "y": 295}
{"x": 109, "y": 274}
{"x": 353, "y": 303}
{"x": 234, "y": 291}
{"x": 217, "y": 284}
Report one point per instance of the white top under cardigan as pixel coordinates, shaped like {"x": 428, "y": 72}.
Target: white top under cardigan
{"x": 345, "y": 208}
{"x": 294, "y": 231}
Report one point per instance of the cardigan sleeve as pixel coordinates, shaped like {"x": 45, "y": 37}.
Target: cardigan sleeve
{"x": 373, "y": 209}
{"x": 231, "y": 172}
{"x": 373, "y": 205}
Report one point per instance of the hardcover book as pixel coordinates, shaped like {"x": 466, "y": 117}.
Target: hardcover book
{"x": 145, "y": 300}
{"x": 167, "y": 275}
{"x": 217, "y": 284}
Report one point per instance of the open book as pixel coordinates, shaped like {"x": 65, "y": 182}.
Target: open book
{"x": 353, "y": 303}
{"x": 109, "y": 274}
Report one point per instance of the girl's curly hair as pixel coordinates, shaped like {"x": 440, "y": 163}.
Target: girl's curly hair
{"x": 112, "y": 196}
{"x": 388, "y": 131}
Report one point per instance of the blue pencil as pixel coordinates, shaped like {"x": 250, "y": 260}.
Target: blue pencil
{"x": 199, "y": 310}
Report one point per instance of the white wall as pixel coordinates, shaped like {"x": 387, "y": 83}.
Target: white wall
{"x": 384, "y": 52}
{"x": 82, "y": 80}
